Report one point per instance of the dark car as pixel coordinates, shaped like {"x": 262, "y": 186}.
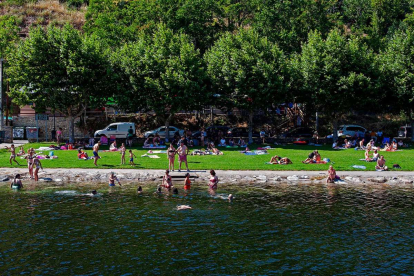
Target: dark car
{"x": 241, "y": 132}
{"x": 299, "y": 132}
{"x": 211, "y": 131}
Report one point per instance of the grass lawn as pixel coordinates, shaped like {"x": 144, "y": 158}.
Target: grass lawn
{"x": 231, "y": 160}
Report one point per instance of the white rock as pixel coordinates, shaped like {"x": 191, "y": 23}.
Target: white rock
{"x": 292, "y": 178}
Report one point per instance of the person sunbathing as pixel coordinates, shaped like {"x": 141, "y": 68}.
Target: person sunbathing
{"x": 285, "y": 161}
{"x": 113, "y": 147}
{"x": 394, "y": 146}
{"x": 317, "y": 157}
{"x": 147, "y": 142}
{"x": 368, "y": 146}
{"x": 375, "y": 155}
{"x": 361, "y": 144}
{"x": 381, "y": 164}
{"x": 310, "y": 158}
{"x": 275, "y": 159}
{"x": 21, "y": 151}
{"x": 82, "y": 155}
{"x": 367, "y": 158}
{"x": 331, "y": 175}
{"x": 216, "y": 151}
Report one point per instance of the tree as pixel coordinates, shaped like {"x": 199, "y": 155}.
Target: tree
{"x": 397, "y": 73}
{"x": 164, "y": 73}
{"x": 61, "y": 70}
{"x": 8, "y": 34}
{"x": 335, "y": 75}
{"x": 248, "y": 71}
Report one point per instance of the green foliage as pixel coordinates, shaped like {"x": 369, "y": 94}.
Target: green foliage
{"x": 335, "y": 73}
{"x": 8, "y": 35}
{"x": 162, "y": 72}
{"x": 61, "y": 70}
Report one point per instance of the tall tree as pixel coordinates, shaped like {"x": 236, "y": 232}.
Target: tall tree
{"x": 397, "y": 73}
{"x": 248, "y": 71}
{"x": 8, "y": 34}
{"x": 62, "y": 70}
{"x": 164, "y": 73}
{"x": 335, "y": 75}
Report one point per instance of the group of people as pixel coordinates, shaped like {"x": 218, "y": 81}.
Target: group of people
{"x": 167, "y": 182}
{"x": 313, "y": 157}
{"x": 182, "y": 152}
{"x": 280, "y": 160}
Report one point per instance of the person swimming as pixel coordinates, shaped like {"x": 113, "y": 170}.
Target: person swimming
{"x": 139, "y": 190}
{"x": 16, "y": 183}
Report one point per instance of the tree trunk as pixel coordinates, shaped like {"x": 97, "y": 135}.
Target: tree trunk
{"x": 250, "y": 127}
{"x": 412, "y": 126}
{"x": 71, "y": 129}
{"x": 167, "y": 127}
{"x": 335, "y": 128}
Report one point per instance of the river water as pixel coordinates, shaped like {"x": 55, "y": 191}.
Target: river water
{"x": 266, "y": 230}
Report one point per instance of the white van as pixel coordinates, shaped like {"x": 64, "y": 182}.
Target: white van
{"x": 119, "y": 130}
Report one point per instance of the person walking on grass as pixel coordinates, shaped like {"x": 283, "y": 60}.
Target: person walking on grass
{"x": 13, "y": 155}
{"x": 131, "y": 158}
{"x": 95, "y": 153}
{"x": 182, "y": 155}
{"x": 123, "y": 151}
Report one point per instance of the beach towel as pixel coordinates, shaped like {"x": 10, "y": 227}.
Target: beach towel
{"x": 231, "y": 147}
{"x": 359, "y": 167}
{"x": 157, "y": 151}
{"x": 45, "y": 148}
{"x": 265, "y": 148}
{"x": 260, "y": 152}
{"x": 250, "y": 153}
{"x": 150, "y": 156}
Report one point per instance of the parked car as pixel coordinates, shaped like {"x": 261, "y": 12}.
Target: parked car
{"x": 304, "y": 132}
{"x": 211, "y": 130}
{"x": 119, "y": 130}
{"x": 241, "y": 132}
{"x": 351, "y": 130}
{"x": 161, "y": 131}
{"x": 404, "y": 131}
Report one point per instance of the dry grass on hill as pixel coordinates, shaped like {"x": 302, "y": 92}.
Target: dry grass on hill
{"x": 43, "y": 13}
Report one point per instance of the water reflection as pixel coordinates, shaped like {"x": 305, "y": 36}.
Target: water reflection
{"x": 271, "y": 229}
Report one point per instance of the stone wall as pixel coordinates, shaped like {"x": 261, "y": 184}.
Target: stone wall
{"x": 60, "y": 122}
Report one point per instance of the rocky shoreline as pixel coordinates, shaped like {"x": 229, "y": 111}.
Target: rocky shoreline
{"x": 245, "y": 177}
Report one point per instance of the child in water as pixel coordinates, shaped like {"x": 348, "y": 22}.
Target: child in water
{"x": 131, "y": 158}
{"x": 16, "y": 183}
{"x": 112, "y": 179}
{"x": 187, "y": 182}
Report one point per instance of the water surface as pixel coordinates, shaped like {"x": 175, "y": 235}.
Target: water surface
{"x": 267, "y": 230}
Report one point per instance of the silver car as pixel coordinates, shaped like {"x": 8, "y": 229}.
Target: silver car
{"x": 161, "y": 131}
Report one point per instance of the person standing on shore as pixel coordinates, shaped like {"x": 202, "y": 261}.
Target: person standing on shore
{"x": 123, "y": 151}
{"x": 182, "y": 155}
{"x": 171, "y": 157}
{"x": 95, "y": 153}
{"x": 13, "y": 155}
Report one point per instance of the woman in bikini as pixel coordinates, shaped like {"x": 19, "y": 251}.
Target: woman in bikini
{"x": 13, "y": 155}
{"x": 171, "y": 157}
{"x": 167, "y": 180}
{"x": 212, "y": 184}
{"x": 123, "y": 151}
{"x": 37, "y": 165}
{"x": 275, "y": 159}
{"x": 30, "y": 158}
{"x": 285, "y": 161}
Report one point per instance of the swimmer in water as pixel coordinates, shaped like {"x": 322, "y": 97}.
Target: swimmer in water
{"x": 94, "y": 192}
{"x": 187, "y": 182}
{"x": 139, "y": 190}
{"x": 159, "y": 190}
{"x": 167, "y": 181}
{"x": 16, "y": 183}
{"x": 230, "y": 197}
{"x": 175, "y": 191}
{"x": 112, "y": 179}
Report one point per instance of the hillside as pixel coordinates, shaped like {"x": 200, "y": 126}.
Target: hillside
{"x": 43, "y": 13}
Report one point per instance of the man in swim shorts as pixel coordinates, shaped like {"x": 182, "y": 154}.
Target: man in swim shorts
{"x": 95, "y": 153}
{"x": 182, "y": 155}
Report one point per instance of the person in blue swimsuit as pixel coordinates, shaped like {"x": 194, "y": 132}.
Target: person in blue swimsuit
{"x": 112, "y": 179}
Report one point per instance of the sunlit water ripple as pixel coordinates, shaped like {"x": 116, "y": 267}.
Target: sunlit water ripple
{"x": 279, "y": 229}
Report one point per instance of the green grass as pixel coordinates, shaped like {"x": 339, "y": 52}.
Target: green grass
{"x": 231, "y": 160}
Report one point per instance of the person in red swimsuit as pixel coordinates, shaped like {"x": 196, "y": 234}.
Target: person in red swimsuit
{"x": 213, "y": 180}
{"x": 187, "y": 182}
